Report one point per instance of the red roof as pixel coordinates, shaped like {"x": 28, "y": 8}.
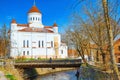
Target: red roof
{"x": 13, "y": 21}
{"x": 34, "y": 9}
{"x": 48, "y": 27}
{"x": 54, "y": 25}
{"x": 35, "y": 30}
{"x": 117, "y": 41}
{"x": 23, "y": 25}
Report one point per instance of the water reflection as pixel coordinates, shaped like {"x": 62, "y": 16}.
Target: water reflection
{"x": 68, "y": 75}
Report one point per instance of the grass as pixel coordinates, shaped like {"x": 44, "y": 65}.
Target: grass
{"x": 10, "y": 77}
{"x": 10, "y": 72}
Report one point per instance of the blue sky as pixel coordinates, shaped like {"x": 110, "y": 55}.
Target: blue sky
{"x": 58, "y": 11}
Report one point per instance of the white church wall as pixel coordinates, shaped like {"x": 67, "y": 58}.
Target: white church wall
{"x": 35, "y": 44}
{"x": 63, "y": 51}
{"x": 13, "y": 27}
{"x": 33, "y": 47}
{"x": 35, "y": 15}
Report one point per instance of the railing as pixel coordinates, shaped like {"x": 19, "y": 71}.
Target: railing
{"x": 49, "y": 64}
{"x": 47, "y": 61}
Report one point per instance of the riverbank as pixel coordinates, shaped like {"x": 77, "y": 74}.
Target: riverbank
{"x": 43, "y": 71}
{"x": 34, "y": 72}
{"x": 98, "y": 73}
{"x": 9, "y": 71}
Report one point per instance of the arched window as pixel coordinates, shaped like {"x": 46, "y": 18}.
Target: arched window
{"x": 51, "y": 43}
{"x": 61, "y": 51}
{"x": 27, "y": 52}
{"x": 23, "y": 52}
{"x": 42, "y": 43}
{"x": 38, "y": 43}
{"x": 36, "y": 18}
{"x": 31, "y": 18}
{"x": 27, "y": 43}
{"x": 23, "y": 43}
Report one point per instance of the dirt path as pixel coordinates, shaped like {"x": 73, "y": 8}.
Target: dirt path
{"x": 2, "y": 76}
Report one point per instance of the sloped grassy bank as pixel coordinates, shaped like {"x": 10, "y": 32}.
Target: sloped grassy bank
{"x": 10, "y": 72}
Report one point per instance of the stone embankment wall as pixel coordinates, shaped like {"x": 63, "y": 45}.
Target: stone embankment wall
{"x": 34, "y": 72}
{"x": 92, "y": 73}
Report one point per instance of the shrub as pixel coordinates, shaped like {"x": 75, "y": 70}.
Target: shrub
{"x": 10, "y": 77}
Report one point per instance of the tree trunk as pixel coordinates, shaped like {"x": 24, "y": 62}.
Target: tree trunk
{"x": 110, "y": 39}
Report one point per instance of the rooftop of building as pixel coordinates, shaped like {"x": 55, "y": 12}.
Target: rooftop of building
{"x": 34, "y": 9}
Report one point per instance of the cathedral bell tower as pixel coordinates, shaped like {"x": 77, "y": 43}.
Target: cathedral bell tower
{"x": 35, "y": 17}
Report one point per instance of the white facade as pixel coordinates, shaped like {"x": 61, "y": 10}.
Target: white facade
{"x": 34, "y": 40}
{"x": 63, "y": 49}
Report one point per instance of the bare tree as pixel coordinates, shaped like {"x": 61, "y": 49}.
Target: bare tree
{"x": 76, "y": 37}
{"x": 103, "y": 33}
{"x": 4, "y": 42}
{"x": 110, "y": 39}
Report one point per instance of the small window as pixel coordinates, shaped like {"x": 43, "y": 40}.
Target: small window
{"x": 39, "y": 44}
{"x": 23, "y": 43}
{"x": 51, "y": 43}
{"x": 36, "y": 18}
{"x": 27, "y": 43}
{"x": 42, "y": 43}
{"x": 61, "y": 51}
{"x": 23, "y": 52}
{"x": 27, "y": 52}
{"x": 119, "y": 48}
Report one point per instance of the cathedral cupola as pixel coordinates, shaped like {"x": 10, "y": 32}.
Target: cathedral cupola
{"x": 34, "y": 9}
{"x": 13, "y": 21}
{"x": 35, "y": 17}
{"x": 55, "y": 28}
{"x": 13, "y": 25}
{"x": 54, "y": 25}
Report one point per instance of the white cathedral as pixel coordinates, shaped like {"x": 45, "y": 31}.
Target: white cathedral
{"x": 34, "y": 40}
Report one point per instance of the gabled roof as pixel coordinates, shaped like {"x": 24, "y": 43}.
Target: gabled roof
{"x": 34, "y": 9}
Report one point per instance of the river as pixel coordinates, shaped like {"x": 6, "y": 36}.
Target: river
{"x": 85, "y": 74}
{"x": 66, "y": 75}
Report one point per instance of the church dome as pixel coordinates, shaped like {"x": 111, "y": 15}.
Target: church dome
{"x": 34, "y": 9}
{"x": 54, "y": 25}
{"x": 35, "y": 17}
{"x": 13, "y": 21}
